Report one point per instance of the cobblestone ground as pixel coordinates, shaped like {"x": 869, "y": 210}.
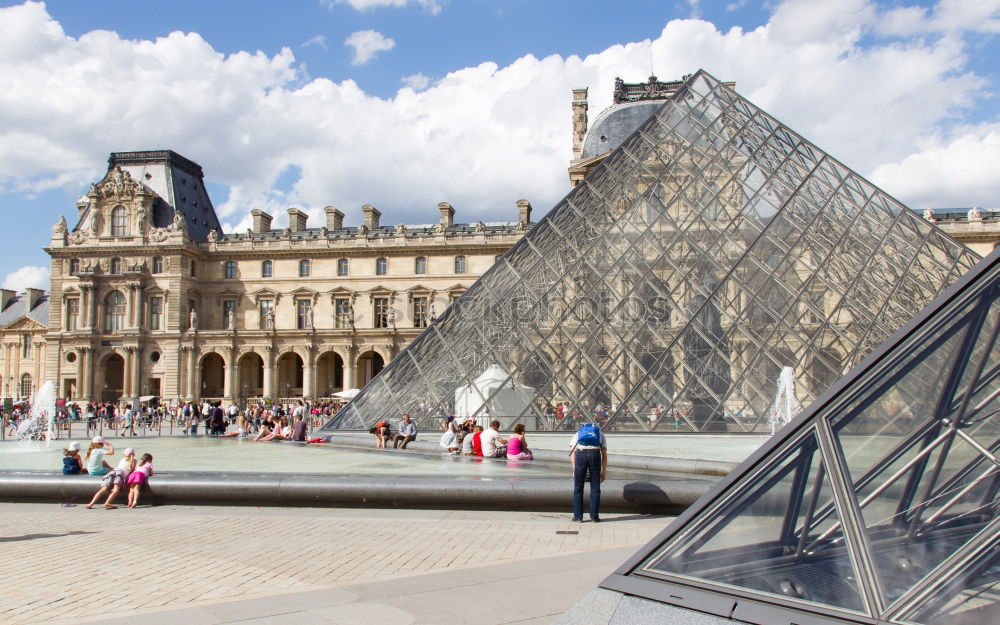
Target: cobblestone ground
{"x": 76, "y": 564}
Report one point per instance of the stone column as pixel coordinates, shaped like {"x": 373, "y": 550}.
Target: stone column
{"x": 349, "y": 368}
{"x": 86, "y": 295}
{"x": 136, "y": 371}
{"x": 127, "y": 374}
{"x": 191, "y": 378}
{"x": 87, "y": 383}
{"x": 308, "y": 372}
{"x": 268, "y": 379}
{"x": 92, "y": 309}
{"x": 79, "y": 374}
{"x": 227, "y": 375}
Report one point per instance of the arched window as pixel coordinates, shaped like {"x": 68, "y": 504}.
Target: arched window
{"x": 381, "y": 266}
{"x": 116, "y": 266}
{"x": 25, "y": 385}
{"x": 420, "y": 265}
{"x": 266, "y": 269}
{"x": 460, "y": 264}
{"x": 114, "y": 311}
{"x": 119, "y": 221}
{"x": 157, "y": 264}
{"x": 305, "y": 268}
{"x": 342, "y": 267}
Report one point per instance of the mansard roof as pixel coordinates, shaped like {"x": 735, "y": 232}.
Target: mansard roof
{"x": 18, "y": 307}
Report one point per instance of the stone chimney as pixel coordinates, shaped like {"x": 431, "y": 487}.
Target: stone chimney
{"x": 334, "y": 219}
{"x": 297, "y": 220}
{"x": 372, "y": 215}
{"x": 579, "y": 120}
{"x": 261, "y": 221}
{"x": 32, "y": 296}
{"x": 523, "y": 212}
{"x": 447, "y": 214}
{"x": 5, "y": 296}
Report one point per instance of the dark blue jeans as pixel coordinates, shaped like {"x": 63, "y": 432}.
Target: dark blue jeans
{"x": 587, "y": 461}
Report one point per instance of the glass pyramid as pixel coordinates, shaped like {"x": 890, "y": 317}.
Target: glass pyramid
{"x": 670, "y": 289}
{"x": 880, "y": 502}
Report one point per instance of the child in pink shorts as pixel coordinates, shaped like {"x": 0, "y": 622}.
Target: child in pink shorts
{"x": 138, "y": 477}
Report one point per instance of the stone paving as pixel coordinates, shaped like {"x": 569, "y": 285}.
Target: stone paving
{"x": 76, "y": 565}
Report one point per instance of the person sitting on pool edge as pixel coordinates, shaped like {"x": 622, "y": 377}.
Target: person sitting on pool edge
{"x": 407, "y": 432}
{"x": 381, "y": 431}
{"x": 494, "y": 445}
{"x": 96, "y": 464}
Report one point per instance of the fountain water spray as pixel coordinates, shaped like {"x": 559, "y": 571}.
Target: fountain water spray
{"x": 40, "y": 425}
{"x": 786, "y": 405}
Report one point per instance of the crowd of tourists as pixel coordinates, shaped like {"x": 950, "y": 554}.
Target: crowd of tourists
{"x": 459, "y": 437}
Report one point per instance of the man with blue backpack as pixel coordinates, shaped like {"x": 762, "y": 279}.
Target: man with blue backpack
{"x": 589, "y": 453}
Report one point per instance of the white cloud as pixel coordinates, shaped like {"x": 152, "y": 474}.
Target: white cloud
{"x": 949, "y": 173}
{"x": 417, "y": 82}
{"x": 366, "y": 44}
{"x": 948, "y": 16}
{"x": 316, "y": 40}
{"x": 480, "y": 137}
{"x": 27, "y": 277}
{"x": 431, "y": 6}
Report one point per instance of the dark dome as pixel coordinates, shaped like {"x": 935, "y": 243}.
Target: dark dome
{"x": 616, "y": 124}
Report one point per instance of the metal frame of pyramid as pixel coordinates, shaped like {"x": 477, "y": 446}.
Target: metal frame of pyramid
{"x": 878, "y": 504}
{"x": 668, "y": 290}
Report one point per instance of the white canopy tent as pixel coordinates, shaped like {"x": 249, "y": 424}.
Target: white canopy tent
{"x": 494, "y": 396}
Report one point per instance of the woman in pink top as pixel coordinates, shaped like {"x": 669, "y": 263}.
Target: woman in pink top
{"x": 517, "y": 446}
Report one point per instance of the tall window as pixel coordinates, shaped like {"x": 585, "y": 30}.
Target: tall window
{"x": 267, "y": 314}
{"x": 155, "y": 313}
{"x": 229, "y": 314}
{"x": 305, "y": 268}
{"x": 114, "y": 311}
{"x": 381, "y": 266}
{"x": 460, "y": 264}
{"x": 119, "y": 221}
{"x": 74, "y": 266}
{"x": 303, "y": 314}
{"x": 116, "y": 265}
{"x": 25, "y": 385}
{"x": 25, "y": 346}
{"x": 342, "y": 267}
{"x": 420, "y": 265}
{"x": 266, "y": 269}
{"x": 157, "y": 264}
{"x": 381, "y": 308}
{"x": 230, "y": 269}
{"x": 72, "y": 313}
{"x": 419, "y": 312}
{"x": 193, "y": 268}
{"x": 342, "y": 312}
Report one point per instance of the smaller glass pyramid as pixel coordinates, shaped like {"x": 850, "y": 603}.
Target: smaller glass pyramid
{"x": 879, "y": 502}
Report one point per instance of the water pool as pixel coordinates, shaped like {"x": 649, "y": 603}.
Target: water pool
{"x": 203, "y": 454}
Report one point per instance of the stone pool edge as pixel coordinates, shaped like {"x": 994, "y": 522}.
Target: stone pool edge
{"x": 542, "y": 494}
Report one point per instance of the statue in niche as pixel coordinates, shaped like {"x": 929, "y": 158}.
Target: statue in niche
{"x": 309, "y": 317}
{"x": 60, "y": 227}
{"x": 95, "y": 223}
{"x": 231, "y": 319}
{"x": 269, "y": 319}
{"x": 193, "y": 319}
{"x": 140, "y": 219}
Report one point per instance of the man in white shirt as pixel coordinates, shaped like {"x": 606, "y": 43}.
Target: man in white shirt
{"x": 407, "y": 432}
{"x": 494, "y": 446}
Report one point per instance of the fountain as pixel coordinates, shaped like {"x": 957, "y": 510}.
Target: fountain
{"x": 786, "y": 404}
{"x": 41, "y": 424}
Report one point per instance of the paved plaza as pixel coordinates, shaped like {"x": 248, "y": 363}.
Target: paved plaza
{"x": 208, "y": 565}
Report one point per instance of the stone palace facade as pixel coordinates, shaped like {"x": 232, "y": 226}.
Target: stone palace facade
{"x": 149, "y": 297}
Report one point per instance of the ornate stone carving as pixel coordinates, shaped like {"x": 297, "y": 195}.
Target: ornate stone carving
{"x": 118, "y": 184}
{"x": 159, "y": 234}
{"x": 363, "y": 230}
{"x": 193, "y": 319}
{"x": 213, "y": 236}
{"x": 400, "y": 229}
{"x": 440, "y": 228}
{"x": 79, "y": 237}
{"x": 480, "y": 227}
{"x": 60, "y": 227}
{"x": 286, "y": 233}
{"x": 975, "y": 214}
{"x": 522, "y": 226}
{"x": 929, "y": 214}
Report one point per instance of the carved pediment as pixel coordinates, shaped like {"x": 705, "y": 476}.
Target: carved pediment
{"x": 118, "y": 184}
{"x": 25, "y": 324}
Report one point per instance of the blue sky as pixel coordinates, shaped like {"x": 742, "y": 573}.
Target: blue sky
{"x": 465, "y": 101}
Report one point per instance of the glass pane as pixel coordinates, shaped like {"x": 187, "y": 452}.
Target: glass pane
{"x": 780, "y": 536}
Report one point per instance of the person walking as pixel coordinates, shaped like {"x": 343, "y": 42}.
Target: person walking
{"x": 589, "y": 455}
